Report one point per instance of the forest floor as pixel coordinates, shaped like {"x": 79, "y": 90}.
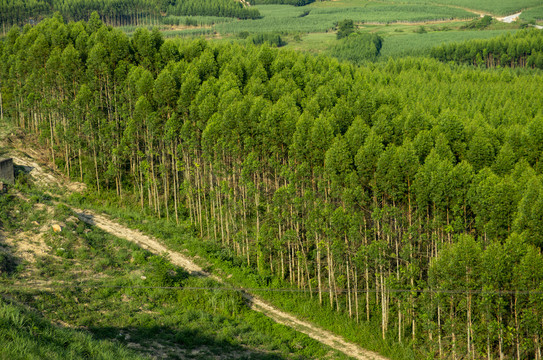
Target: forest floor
{"x": 27, "y": 160}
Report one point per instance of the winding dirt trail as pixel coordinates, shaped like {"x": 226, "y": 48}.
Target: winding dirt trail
{"x": 255, "y": 303}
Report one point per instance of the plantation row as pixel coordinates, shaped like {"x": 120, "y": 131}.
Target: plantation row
{"x": 118, "y": 12}
{"x": 282, "y": 2}
{"x": 523, "y": 49}
{"x": 349, "y": 182}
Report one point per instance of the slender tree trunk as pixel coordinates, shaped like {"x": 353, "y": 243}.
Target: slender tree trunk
{"x": 80, "y": 165}
{"x": 439, "y": 330}
{"x": 96, "y": 167}
{"x": 319, "y": 280}
{"x": 330, "y": 289}
{"x": 1, "y": 105}
{"x": 52, "y": 141}
{"x": 500, "y": 335}
{"x": 517, "y": 339}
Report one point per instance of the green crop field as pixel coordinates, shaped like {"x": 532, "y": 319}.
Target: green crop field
{"x": 496, "y": 7}
{"x": 535, "y": 13}
{"x": 287, "y": 18}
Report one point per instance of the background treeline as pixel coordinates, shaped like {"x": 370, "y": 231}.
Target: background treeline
{"x": 282, "y": 2}
{"x": 118, "y": 12}
{"x": 522, "y": 49}
{"x": 408, "y": 194}
{"x": 222, "y": 8}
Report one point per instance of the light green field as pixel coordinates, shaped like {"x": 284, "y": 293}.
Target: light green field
{"x": 495, "y": 7}
{"x": 313, "y": 43}
{"x": 535, "y": 13}
{"x": 286, "y": 18}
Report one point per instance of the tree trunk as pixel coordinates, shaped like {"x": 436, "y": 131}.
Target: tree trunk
{"x": 439, "y": 330}
{"x": 319, "y": 280}
{"x": 330, "y": 289}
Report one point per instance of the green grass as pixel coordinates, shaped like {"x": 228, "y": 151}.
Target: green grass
{"x": 226, "y": 264}
{"x": 313, "y": 42}
{"x": 105, "y": 289}
{"x": 24, "y": 334}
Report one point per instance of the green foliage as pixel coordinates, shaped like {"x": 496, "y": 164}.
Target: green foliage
{"x": 341, "y": 181}
{"x": 523, "y": 49}
{"x": 120, "y": 12}
{"x": 420, "y": 30}
{"x": 479, "y": 24}
{"x": 25, "y": 334}
{"x": 223, "y": 8}
{"x": 413, "y": 44}
{"x": 267, "y": 38}
{"x": 345, "y": 28}
{"x": 358, "y": 48}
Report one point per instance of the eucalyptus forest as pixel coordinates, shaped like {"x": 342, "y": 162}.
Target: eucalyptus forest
{"x": 405, "y": 193}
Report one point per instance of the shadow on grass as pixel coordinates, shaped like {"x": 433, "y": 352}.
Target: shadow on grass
{"x": 8, "y": 262}
{"x": 169, "y": 343}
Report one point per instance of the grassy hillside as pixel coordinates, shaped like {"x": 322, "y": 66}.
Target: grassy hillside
{"x": 83, "y": 293}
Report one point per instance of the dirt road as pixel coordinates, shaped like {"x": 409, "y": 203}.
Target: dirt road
{"x": 509, "y": 19}
{"x": 47, "y": 177}
{"x": 254, "y": 302}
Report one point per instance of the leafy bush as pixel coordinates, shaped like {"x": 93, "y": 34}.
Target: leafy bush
{"x": 345, "y": 28}
{"x": 479, "y": 24}
{"x": 358, "y": 48}
{"x": 268, "y": 38}
{"x": 163, "y": 273}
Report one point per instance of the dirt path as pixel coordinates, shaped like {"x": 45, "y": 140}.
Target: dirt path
{"x": 49, "y": 178}
{"x": 509, "y": 19}
{"x": 254, "y": 302}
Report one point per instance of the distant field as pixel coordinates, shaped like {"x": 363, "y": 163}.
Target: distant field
{"x": 411, "y": 44}
{"x": 495, "y": 7}
{"x": 286, "y": 18}
{"x": 533, "y": 14}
